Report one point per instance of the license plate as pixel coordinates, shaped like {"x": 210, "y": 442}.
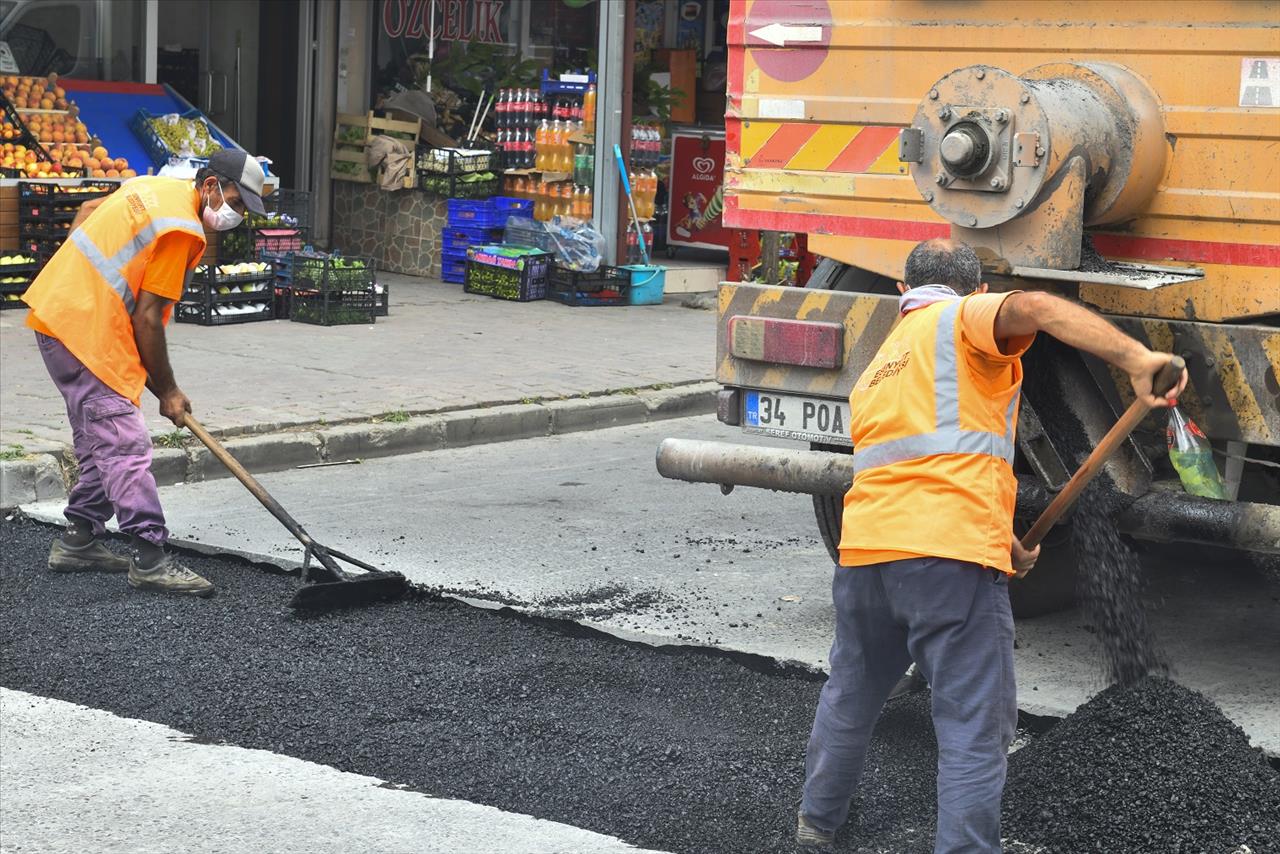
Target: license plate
{"x": 792, "y": 416}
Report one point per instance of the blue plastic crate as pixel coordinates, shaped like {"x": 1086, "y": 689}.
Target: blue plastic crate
{"x": 463, "y": 238}
{"x": 468, "y": 213}
{"x": 513, "y": 207}
{"x": 452, "y": 270}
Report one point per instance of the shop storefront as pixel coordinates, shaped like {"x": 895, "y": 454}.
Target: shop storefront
{"x": 521, "y": 100}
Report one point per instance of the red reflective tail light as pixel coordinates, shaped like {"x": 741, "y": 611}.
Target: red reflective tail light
{"x": 809, "y": 344}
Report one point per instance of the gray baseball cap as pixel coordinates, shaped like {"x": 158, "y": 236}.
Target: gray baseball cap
{"x": 237, "y": 166}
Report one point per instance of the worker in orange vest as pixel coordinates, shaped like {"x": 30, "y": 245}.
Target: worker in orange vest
{"x": 99, "y": 308}
{"x": 927, "y": 547}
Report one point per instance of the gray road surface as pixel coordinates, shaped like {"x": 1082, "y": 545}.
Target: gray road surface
{"x": 582, "y": 526}
{"x": 78, "y": 779}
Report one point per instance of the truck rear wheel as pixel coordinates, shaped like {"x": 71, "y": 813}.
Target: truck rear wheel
{"x": 1051, "y": 585}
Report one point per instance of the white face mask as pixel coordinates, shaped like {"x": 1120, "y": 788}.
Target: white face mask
{"x": 223, "y": 218}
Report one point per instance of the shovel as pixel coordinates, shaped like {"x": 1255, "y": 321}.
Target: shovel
{"x": 1164, "y": 381}
{"x": 338, "y": 588}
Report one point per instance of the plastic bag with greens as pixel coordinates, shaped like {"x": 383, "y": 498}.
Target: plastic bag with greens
{"x": 1192, "y": 457}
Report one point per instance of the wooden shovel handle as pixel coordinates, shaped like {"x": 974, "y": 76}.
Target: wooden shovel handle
{"x": 1165, "y": 380}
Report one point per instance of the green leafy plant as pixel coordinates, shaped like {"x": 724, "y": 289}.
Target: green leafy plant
{"x": 397, "y": 417}
{"x": 13, "y": 452}
{"x": 648, "y": 97}
{"x": 172, "y": 439}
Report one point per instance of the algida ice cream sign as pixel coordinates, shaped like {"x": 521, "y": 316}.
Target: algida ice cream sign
{"x": 455, "y": 20}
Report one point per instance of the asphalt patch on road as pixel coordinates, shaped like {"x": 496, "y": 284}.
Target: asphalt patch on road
{"x": 668, "y": 750}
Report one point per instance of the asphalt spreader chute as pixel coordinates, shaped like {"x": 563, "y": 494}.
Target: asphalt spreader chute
{"x": 336, "y": 587}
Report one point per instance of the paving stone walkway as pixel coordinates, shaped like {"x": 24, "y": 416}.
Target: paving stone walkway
{"x": 439, "y": 350}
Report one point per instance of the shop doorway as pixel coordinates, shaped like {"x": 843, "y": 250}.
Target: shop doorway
{"x": 278, "y": 88}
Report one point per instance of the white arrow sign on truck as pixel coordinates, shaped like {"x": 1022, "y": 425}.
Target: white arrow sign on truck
{"x": 780, "y": 34}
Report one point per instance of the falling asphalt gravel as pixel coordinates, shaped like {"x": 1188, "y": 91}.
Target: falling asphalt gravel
{"x": 682, "y": 749}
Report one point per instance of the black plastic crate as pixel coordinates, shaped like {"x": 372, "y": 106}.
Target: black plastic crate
{"x": 519, "y": 279}
{"x": 382, "y": 293}
{"x": 209, "y": 313}
{"x": 602, "y": 278}
{"x": 333, "y": 308}
{"x": 459, "y": 186}
{"x": 41, "y": 193}
{"x": 281, "y": 301}
{"x": 212, "y": 275}
{"x": 443, "y": 161}
{"x": 342, "y": 273}
{"x": 285, "y": 209}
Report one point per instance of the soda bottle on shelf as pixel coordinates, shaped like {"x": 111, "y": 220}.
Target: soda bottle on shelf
{"x": 589, "y": 109}
{"x": 566, "y": 148}
{"x": 541, "y": 145}
{"x": 587, "y": 204}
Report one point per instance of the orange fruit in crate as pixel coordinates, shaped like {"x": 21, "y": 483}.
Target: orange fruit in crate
{"x": 75, "y": 163}
{"x": 113, "y": 173}
{"x": 58, "y": 137}
{"x": 99, "y": 153}
{"x": 128, "y": 173}
{"x": 93, "y": 163}
{"x": 122, "y": 164}
{"x": 59, "y": 92}
{"x": 98, "y": 173}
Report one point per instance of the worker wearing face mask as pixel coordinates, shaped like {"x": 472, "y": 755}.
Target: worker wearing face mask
{"x": 99, "y": 308}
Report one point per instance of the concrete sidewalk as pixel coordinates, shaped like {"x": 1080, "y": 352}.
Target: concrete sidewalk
{"x": 446, "y": 368}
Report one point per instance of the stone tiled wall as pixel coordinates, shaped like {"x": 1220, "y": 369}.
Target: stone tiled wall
{"x": 400, "y": 229}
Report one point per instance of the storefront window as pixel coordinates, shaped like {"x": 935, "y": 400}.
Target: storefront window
{"x": 88, "y": 39}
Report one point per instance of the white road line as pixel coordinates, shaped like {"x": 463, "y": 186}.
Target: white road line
{"x": 75, "y": 779}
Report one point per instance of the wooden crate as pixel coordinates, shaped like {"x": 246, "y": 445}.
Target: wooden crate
{"x": 352, "y": 135}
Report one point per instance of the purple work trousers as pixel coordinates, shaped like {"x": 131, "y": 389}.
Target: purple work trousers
{"x": 113, "y": 450}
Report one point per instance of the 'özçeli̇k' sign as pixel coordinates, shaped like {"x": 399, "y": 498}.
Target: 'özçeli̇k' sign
{"x": 456, "y": 20}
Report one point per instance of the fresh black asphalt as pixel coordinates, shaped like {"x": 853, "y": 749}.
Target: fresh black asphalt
{"x": 677, "y": 749}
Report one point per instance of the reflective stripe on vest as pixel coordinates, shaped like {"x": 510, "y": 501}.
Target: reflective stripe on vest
{"x": 112, "y": 269}
{"x": 947, "y": 437}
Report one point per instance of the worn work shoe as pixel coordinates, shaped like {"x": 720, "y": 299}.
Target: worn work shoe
{"x": 94, "y": 557}
{"x": 809, "y": 836}
{"x": 169, "y": 576}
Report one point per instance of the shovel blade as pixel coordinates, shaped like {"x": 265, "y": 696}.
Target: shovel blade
{"x": 358, "y": 590}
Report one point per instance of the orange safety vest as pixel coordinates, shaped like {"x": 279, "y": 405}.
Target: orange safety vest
{"x": 86, "y": 293}
{"x": 932, "y": 423}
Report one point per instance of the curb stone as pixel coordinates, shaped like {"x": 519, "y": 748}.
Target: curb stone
{"x": 593, "y": 413}
{"x": 365, "y": 441}
{"x": 35, "y": 478}
{"x": 256, "y": 453}
{"x": 45, "y": 476}
{"x": 496, "y": 424}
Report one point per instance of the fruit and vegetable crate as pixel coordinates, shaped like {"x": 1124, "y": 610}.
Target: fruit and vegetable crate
{"x": 285, "y": 209}
{"x": 333, "y": 273}
{"x": 16, "y": 273}
{"x": 244, "y": 273}
{"x": 41, "y": 197}
{"x": 174, "y": 135}
{"x": 351, "y": 136}
{"x": 507, "y": 272}
{"x": 333, "y": 308}
{"x": 210, "y": 313}
{"x": 234, "y": 299}
{"x": 605, "y": 286}
{"x": 459, "y": 173}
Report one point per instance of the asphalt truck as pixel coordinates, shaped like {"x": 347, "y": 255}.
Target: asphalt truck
{"x": 1123, "y": 154}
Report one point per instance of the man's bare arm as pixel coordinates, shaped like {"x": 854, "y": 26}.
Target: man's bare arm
{"x": 1028, "y": 312}
{"x": 83, "y": 214}
{"x": 148, "y": 334}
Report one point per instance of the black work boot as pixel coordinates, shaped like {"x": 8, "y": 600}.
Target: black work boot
{"x": 78, "y": 550}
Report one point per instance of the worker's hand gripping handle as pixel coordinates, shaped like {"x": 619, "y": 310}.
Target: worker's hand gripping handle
{"x": 1166, "y": 379}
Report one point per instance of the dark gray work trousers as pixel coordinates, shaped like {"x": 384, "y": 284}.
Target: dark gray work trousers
{"x": 953, "y": 620}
